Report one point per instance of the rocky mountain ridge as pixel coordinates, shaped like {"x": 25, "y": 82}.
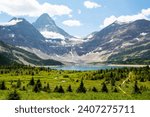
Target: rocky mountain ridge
{"x": 116, "y": 42}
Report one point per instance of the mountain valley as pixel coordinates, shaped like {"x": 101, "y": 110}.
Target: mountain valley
{"x": 116, "y": 43}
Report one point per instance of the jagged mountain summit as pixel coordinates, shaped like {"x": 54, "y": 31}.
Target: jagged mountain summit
{"x": 46, "y": 23}
{"x": 118, "y": 42}
{"x": 48, "y": 28}
{"x": 19, "y": 32}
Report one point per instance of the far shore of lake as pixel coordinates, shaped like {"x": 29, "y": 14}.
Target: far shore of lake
{"x": 126, "y": 65}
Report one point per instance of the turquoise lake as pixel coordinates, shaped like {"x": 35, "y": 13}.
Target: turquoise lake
{"x": 84, "y": 67}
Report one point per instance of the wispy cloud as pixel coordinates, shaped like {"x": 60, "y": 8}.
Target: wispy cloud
{"x": 32, "y": 8}
{"x": 90, "y": 5}
{"x": 72, "y": 23}
{"x": 144, "y": 14}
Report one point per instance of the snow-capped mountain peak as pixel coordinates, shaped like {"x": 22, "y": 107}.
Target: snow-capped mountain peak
{"x": 46, "y": 23}
{"x": 12, "y": 22}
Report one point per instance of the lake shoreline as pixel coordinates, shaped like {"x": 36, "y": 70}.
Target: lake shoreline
{"x": 89, "y": 67}
{"x": 127, "y": 65}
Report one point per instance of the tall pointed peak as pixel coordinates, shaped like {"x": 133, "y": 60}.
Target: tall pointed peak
{"x": 46, "y": 23}
{"x": 45, "y": 19}
{"x": 45, "y": 15}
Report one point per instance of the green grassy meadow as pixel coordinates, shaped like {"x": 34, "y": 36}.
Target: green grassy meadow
{"x": 121, "y": 83}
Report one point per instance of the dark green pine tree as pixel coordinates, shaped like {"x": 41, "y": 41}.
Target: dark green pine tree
{"x": 18, "y": 83}
{"x": 32, "y": 82}
{"x": 23, "y": 88}
{"x": 104, "y": 88}
{"x": 60, "y": 89}
{"x": 69, "y": 89}
{"x": 112, "y": 79}
{"x": 38, "y": 86}
{"x": 3, "y": 86}
{"x": 81, "y": 88}
{"x": 39, "y": 83}
{"x": 115, "y": 90}
{"x": 45, "y": 89}
{"x": 94, "y": 89}
{"x": 56, "y": 89}
{"x": 14, "y": 96}
{"x": 136, "y": 89}
{"x": 48, "y": 88}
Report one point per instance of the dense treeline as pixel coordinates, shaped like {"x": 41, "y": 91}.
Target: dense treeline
{"x": 117, "y": 74}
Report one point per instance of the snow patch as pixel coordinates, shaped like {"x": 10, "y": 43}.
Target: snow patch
{"x": 90, "y": 36}
{"x": 111, "y": 40}
{"x": 52, "y": 35}
{"x": 143, "y": 34}
{"x": 46, "y": 26}
{"x": 11, "y": 23}
{"x": 11, "y": 35}
{"x": 98, "y": 49}
{"x": 63, "y": 42}
{"x": 126, "y": 44}
{"x": 137, "y": 39}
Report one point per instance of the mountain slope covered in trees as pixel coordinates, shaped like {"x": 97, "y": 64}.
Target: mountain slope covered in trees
{"x": 13, "y": 55}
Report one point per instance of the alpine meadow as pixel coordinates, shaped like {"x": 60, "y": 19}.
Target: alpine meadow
{"x": 39, "y": 83}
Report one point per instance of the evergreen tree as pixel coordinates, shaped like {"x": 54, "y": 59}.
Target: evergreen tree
{"x": 32, "y": 82}
{"x": 69, "y": 89}
{"x": 38, "y": 86}
{"x": 81, "y": 88}
{"x": 3, "y": 86}
{"x": 142, "y": 79}
{"x": 94, "y": 89}
{"x": 23, "y": 88}
{"x": 60, "y": 89}
{"x": 115, "y": 90}
{"x": 56, "y": 89}
{"x": 45, "y": 89}
{"x": 48, "y": 88}
{"x": 104, "y": 88}
{"x": 18, "y": 83}
{"x": 112, "y": 79}
{"x": 136, "y": 89}
{"x": 14, "y": 96}
{"x": 39, "y": 83}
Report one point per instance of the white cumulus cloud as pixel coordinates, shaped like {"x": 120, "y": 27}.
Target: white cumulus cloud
{"x": 90, "y": 5}
{"x": 32, "y": 8}
{"x": 72, "y": 23}
{"x": 144, "y": 14}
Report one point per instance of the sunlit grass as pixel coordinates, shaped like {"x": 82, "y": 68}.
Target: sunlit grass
{"x": 65, "y": 78}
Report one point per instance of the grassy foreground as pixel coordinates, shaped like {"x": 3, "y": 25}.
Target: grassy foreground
{"x": 34, "y": 83}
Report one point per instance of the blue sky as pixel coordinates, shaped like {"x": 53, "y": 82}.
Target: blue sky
{"x": 77, "y": 17}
